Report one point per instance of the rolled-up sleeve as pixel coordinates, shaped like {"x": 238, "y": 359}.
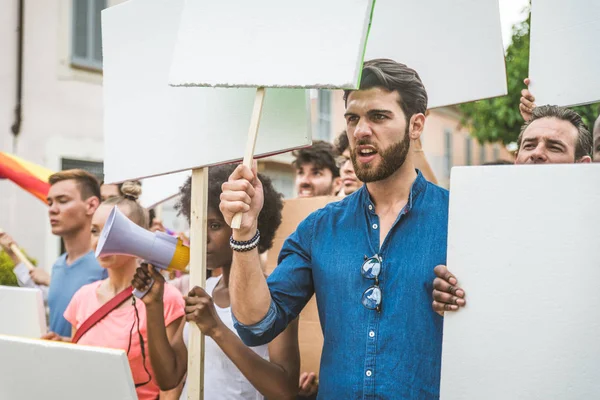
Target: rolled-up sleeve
{"x": 290, "y": 284}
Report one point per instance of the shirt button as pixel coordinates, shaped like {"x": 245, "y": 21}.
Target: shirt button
{"x": 371, "y": 334}
{"x": 370, "y": 207}
{"x": 374, "y": 226}
{"x": 369, "y": 373}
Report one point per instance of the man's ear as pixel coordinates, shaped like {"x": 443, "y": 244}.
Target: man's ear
{"x": 92, "y": 204}
{"x": 416, "y": 126}
{"x": 584, "y": 160}
{"x": 337, "y": 185}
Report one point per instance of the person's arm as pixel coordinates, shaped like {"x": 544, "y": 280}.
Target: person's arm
{"x": 168, "y": 353}
{"x": 420, "y": 161}
{"x": 447, "y": 295}
{"x": 274, "y": 379}
{"x": 34, "y": 279}
{"x": 261, "y": 311}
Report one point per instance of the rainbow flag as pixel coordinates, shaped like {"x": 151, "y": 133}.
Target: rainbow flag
{"x": 30, "y": 176}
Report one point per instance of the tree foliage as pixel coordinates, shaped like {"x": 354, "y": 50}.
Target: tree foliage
{"x": 499, "y": 119}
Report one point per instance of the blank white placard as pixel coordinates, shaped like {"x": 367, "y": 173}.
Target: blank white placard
{"x": 41, "y": 369}
{"x": 159, "y": 189}
{"x": 455, "y": 46}
{"x": 152, "y": 129}
{"x": 272, "y": 43}
{"x": 523, "y": 243}
{"x": 564, "y": 58}
{"x": 22, "y": 312}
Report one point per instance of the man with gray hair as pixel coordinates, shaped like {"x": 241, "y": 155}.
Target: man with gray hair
{"x": 554, "y": 135}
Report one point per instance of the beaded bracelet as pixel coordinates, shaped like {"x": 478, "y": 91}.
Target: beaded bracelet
{"x": 245, "y": 246}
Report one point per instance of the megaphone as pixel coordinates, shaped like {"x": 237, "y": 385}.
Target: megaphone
{"x": 122, "y": 236}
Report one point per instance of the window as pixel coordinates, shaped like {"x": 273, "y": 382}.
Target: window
{"x": 448, "y": 151}
{"x": 94, "y": 167}
{"x": 324, "y": 123}
{"x": 86, "y": 46}
{"x": 469, "y": 151}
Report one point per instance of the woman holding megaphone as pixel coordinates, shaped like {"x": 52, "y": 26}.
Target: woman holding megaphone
{"x": 232, "y": 370}
{"x": 105, "y": 313}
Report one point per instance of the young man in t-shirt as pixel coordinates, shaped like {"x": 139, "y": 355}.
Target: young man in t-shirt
{"x": 73, "y": 198}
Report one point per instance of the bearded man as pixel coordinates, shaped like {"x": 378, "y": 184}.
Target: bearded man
{"x": 369, "y": 257}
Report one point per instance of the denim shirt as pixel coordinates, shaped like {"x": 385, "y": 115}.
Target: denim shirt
{"x": 391, "y": 354}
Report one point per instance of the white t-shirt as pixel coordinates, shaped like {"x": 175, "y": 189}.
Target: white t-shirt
{"x": 222, "y": 379}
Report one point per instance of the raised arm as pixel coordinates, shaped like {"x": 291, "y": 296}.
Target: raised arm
{"x": 250, "y": 297}
{"x": 168, "y": 353}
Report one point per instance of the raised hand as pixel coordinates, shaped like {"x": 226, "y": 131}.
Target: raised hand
{"x": 143, "y": 279}
{"x": 527, "y": 102}
{"x": 243, "y": 192}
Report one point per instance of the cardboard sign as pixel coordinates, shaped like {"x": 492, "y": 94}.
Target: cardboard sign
{"x": 152, "y": 129}
{"x": 523, "y": 243}
{"x": 310, "y": 334}
{"x": 455, "y": 46}
{"x": 22, "y": 312}
{"x": 565, "y": 52}
{"x": 41, "y": 369}
{"x": 161, "y": 188}
{"x": 271, "y": 43}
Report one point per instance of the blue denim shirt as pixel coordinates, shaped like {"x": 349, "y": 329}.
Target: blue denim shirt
{"x": 391, "y": 354}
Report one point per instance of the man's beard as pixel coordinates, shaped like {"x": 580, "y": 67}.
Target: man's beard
{"x": 392, "y": 159}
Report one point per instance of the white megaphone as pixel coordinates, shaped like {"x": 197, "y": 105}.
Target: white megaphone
{"x": 122, "y": 236}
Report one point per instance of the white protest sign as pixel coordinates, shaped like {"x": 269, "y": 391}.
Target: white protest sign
{"x": 271, "y": 43}
{"x": 159, "y": 189}
{"x": 523, "y": 243}
{"x": 564, "y": 55}
{"x": 22, "y": 312}
{"x": 455, "y": 46}
{"x": 153, "y": 129}
{"x": 40, "y": 369}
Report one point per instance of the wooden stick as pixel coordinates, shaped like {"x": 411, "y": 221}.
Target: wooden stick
{"x": 236, "y": 222}
{"x": 15, "y": 249}
{"x": 195, "y": 375}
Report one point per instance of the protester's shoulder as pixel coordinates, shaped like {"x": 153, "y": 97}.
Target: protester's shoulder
{"x": 437, "y": 192}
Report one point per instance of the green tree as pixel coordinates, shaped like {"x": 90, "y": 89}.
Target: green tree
{"x": 7, "y": 276}
{"x": 498, "y": 119}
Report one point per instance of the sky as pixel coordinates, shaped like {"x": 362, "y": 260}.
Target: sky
{"x": 510, "y": 13}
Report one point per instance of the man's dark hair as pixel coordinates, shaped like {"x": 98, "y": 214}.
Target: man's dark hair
{"x": 269, "y": 218}
{"x": 86, "y": 182}
{"x": 321, "y": 154}
{"x": 393, "y": 76}
{"x": 341, "y": 142}
{"x": 583, "y": 147}
{"x": 499, "y": 162}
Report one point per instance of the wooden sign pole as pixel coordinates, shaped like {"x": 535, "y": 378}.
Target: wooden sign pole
{"x": 15, "y": 249}
{"x": 198, "y": 227}
{"x": 251, "y": 143}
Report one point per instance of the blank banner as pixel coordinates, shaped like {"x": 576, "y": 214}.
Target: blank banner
{"x": 523, "y": 243}
{"x": 564, "y": 60}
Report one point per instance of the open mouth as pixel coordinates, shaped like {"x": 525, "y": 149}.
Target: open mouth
{"x": 305, "y": 192}
{"x": 366, "y": 154}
